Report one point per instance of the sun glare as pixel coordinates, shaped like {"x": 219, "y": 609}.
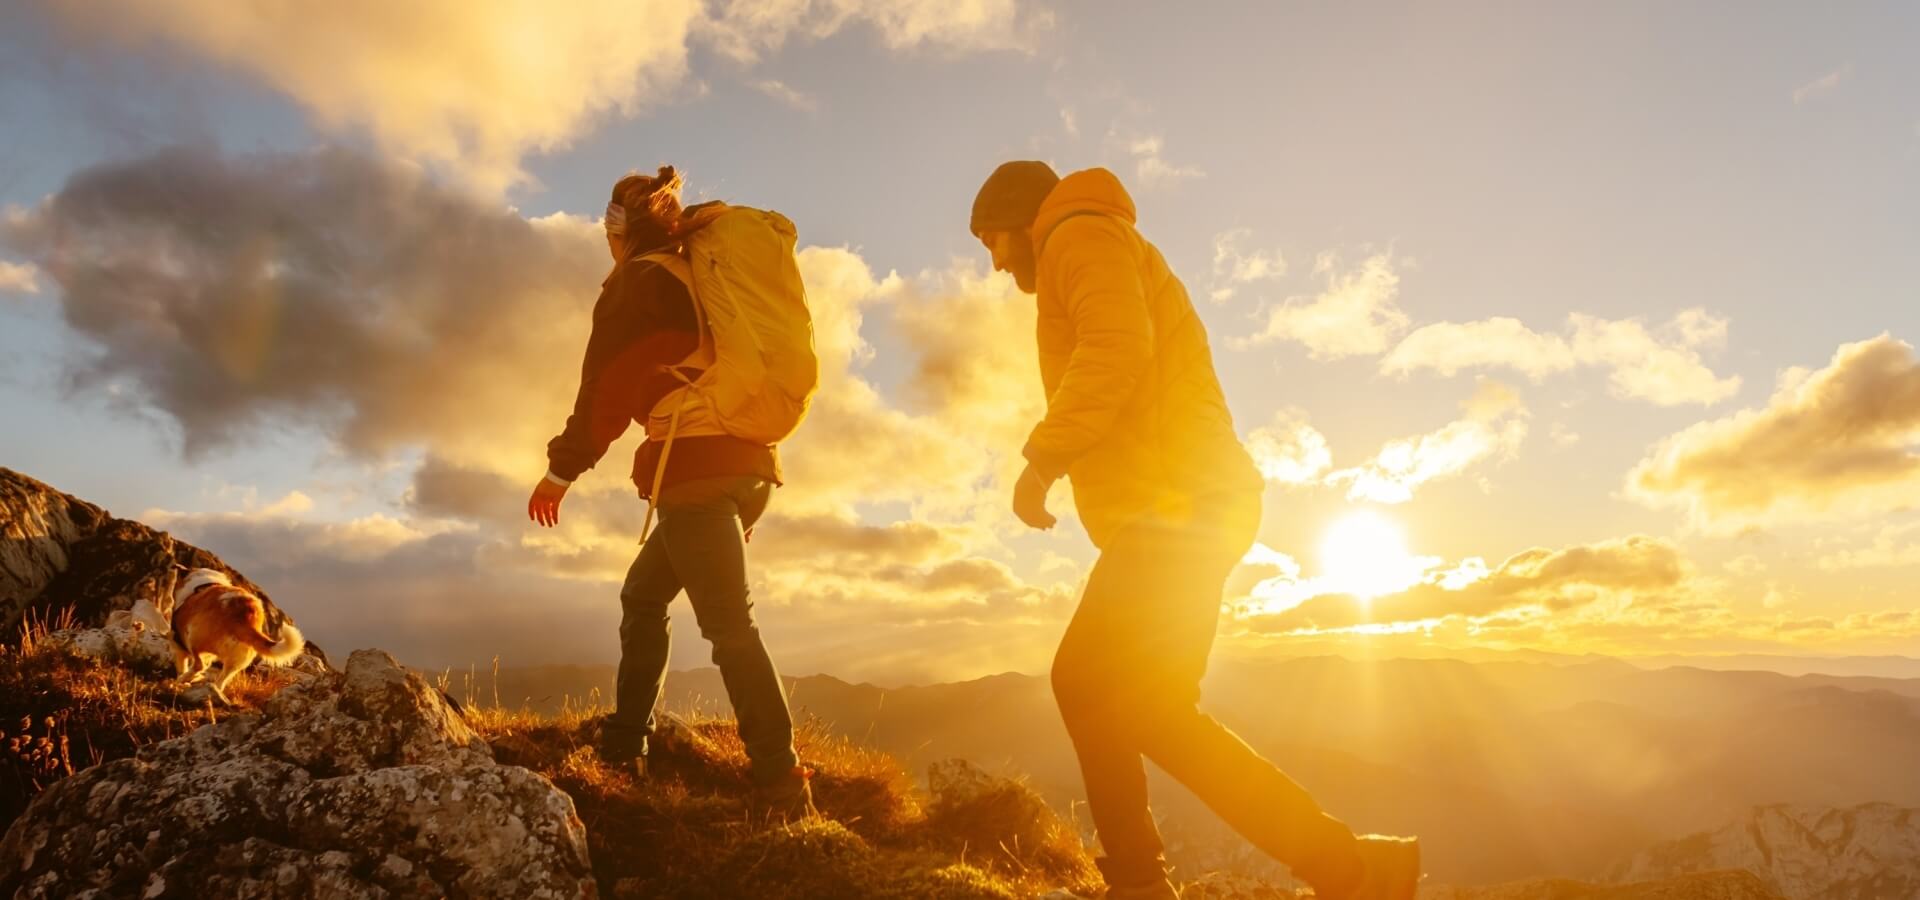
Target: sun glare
{"x": 1365, "y": 554}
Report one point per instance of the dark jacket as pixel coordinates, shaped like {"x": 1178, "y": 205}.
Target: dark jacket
{"x": 643, "y": 323}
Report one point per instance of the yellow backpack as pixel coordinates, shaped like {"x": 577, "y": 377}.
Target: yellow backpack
{"x": 755, "y": 372}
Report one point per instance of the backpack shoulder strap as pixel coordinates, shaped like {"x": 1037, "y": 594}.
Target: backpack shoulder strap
{"x": 675, "y": 264}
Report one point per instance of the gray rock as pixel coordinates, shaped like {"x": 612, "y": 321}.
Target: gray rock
{"x": 356, "y": 784}
{"x": 122, "y": 640}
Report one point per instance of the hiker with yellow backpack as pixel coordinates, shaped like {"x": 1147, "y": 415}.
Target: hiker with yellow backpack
{"x": 702, "y": 333}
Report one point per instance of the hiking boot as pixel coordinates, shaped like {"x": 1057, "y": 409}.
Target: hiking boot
{"x": 1136, "y": 882}
{"x": 788, "y": 797}
{"x": 623, "y": 760}
{"x": 1391, "y": 868}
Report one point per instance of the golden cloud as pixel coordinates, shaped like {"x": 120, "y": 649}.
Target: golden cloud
{"x": 1892, "y": 545}
{"x": 1357, "y": 314}
{"x": 1662, "y": 366}
{"x": 746, "y": 30}
{"x": 1639, "y": 567}
{"x": 477, "y": 87}
{"x": 1235, "y": 266}
{"x": 1834, "y": 443}
{"x": 975, "y": 369}
{"x": 1289, "y": 451}
{"x": 19, "y": 278}
{"x": 1495, "y": 423}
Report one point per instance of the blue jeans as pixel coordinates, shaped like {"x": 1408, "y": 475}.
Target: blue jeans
{"x": 699, "y": 546}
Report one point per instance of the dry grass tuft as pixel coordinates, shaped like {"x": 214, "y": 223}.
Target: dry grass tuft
{"x": 1010, "y": 828}
{"x": 60, "y": 713}
{"x": 686, "y": 831}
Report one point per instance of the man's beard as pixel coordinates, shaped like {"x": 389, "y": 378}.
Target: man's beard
{"x": 1022, "y": 266}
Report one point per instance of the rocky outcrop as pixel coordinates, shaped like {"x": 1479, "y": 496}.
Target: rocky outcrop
{"x": 1806, "y": 853}
{"x": 37, "y": 526}
{"x": 121, "y": 641}
{"x": 61, "y": 556}
{"x": 362, "y": 783}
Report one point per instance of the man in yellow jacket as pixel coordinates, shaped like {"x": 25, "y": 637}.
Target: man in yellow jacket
{"x": 1136, "y": 420}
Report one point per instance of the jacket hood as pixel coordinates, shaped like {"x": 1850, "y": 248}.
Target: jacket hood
{"x": 1086, "y": 191}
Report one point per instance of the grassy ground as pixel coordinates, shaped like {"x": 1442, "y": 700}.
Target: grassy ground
{"x": 686, "y": 831}
{"x": 683, "y": 831}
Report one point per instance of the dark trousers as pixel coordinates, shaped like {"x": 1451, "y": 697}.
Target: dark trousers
{"x": 1127, "y": 678}
{"x": 699, "y": 546}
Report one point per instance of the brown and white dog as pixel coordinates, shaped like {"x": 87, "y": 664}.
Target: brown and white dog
{"x": 213, "y": 618}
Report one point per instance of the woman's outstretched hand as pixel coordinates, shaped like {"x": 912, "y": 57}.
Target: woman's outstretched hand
{"x": 544, "y": 506}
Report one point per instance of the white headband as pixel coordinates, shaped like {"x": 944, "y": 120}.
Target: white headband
{"x": 616, "y": 220}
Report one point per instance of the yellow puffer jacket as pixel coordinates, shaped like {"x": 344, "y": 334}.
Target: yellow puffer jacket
{"x": 1135, "y": 415}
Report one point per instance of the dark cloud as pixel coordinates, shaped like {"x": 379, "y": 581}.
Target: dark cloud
{"x": 442, "y": 488}
{"x": 323, "y": 289}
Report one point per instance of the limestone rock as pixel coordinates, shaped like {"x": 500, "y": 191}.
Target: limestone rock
{"x": 37, "y": 525}
{"x": 362, "y": 783}
{"x": 122, "y": 641}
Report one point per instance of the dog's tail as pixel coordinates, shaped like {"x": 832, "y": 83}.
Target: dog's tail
{"x": 286, "y": 650}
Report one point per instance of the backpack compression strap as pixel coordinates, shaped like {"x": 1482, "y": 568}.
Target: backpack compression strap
{"x": 676, "y": 267}
{"x": 666, "y": 450}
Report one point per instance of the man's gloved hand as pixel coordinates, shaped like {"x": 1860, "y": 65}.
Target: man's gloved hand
{"x": 1030, "y": 499}
{"x": 544, "y": 506}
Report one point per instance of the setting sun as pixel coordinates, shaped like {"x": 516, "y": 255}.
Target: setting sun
{"x": 1365, "y": 554}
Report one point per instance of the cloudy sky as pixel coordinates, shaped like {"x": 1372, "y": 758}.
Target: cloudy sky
{"x": 1572, "y": 329}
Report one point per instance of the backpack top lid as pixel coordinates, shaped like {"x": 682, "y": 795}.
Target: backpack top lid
{"x": 748, "y": 292}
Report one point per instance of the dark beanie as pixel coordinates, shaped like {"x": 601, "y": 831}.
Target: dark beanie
{"x": 1012, "y": 195}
